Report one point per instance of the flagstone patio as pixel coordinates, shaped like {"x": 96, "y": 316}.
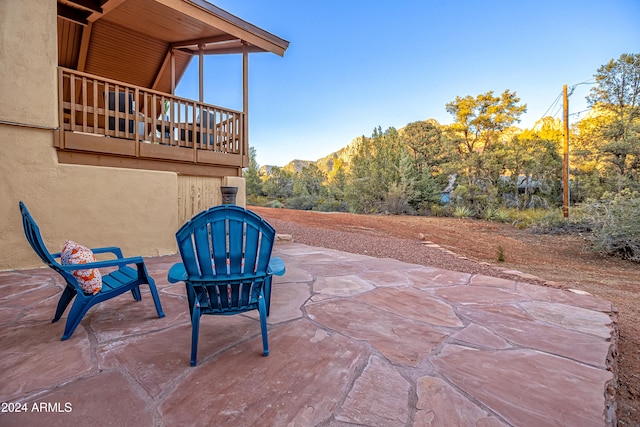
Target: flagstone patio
{"x": 354, "y": 340}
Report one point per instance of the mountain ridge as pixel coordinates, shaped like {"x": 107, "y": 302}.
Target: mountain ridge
{"x": 326, "y": 164}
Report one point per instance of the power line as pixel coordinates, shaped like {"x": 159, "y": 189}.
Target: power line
{"x": 577, "y": 113}
{"x": 555, "y": 106}
{"x": 586, "y": 82}
{"x": 554, "y": 103}
{"x": 557, "y": 111}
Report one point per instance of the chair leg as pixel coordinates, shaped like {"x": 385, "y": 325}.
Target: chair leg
{"x": 78, "y": 310}
{"x": 263, "y": 325}
{"x": 190, "y": 298}
{"x": 155, "y": 296}
{"x": 66, "y": 297}
{"x": 267, "y": 293}
{"x": 195, "y": 329}
{"x": 135, "y": 291}
{"x": 152, "y": 288}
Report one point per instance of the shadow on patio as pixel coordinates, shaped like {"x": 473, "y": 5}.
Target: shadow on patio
{"x": 354, "y": 340}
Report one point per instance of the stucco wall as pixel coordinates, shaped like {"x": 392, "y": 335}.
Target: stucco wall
{"x": 133, "y": 209}
{"x": 28, "y": 57}
{"x": 94, "y": 206}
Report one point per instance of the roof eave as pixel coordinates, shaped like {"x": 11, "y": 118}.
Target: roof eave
{"x": 262, "y": 40}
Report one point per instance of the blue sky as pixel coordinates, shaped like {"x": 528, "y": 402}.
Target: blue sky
{"x": 354, "y": 65}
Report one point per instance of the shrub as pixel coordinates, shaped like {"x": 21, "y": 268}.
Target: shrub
{"x": 397, "y": 198}
{"x": 538, "y": 220}
{"x": 332, "y": 205}
{"x": 440, "y": 210}
{"x": 305, "y": 202}
{"x": 256, "y": 200}
{"x": 489, "y": 214}
{"x": 274, "y": 204}
{"x": 496, "y": 214}
{"x": 502, "y": 215}
{"x": 615, "y": 228}
{"x": 462, "y": 212}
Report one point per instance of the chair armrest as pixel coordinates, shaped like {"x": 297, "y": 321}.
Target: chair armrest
{"x": 276, "y": 266}
{"x": 102, "y": 264}
{"x": 110, "y": 249}
{"x": 177, "y": 273}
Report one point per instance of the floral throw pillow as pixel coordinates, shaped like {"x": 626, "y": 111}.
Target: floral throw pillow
{"x": 90, "y": 280}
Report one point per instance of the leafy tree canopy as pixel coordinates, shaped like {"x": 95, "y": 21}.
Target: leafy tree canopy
{"x": 479, "y": 120}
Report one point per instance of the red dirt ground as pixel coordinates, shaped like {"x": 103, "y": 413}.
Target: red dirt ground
{"x": 564, "y": 259}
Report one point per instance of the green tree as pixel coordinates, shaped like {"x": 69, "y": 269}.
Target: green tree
{"x": 401, "y": 193}
{"x": 590, "y": 171}
{"x": 312, "y": 179}
{"x": 308, "y": 187}
{"x": 374, "y": 167}
{"x": 617, "y": 95}
{"x": 279, "y": 184}
{"x": 479, "y": 125}
{"x": 363, "y": 190}
{"x": 252, "y": 176}
{"x": 480, "y": 120}
{"x": 533, "y": 165}
{"x": 425, "y": 143}
{"x": 335, "y": 190}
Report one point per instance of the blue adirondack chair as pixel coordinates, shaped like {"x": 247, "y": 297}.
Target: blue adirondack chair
{"x": 226, "y": 266}
{"x": 119, "y": 281}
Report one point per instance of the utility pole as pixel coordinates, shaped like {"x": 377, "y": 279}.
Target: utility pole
{"x": 565, "y": 159}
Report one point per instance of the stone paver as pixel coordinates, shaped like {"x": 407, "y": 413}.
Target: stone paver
{"x": 528, "y": 388}
{"x": 442, "y": 405}
{"x": 369, "y": 401}
{"x": 353, "y": 340}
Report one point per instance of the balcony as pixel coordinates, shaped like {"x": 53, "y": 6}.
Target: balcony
{"x": 110, "y": 123}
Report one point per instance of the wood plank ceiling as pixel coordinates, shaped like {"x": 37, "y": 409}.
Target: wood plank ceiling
{"x": 131, "y": 40}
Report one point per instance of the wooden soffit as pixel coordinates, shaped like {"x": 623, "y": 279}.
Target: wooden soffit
{"x": 131, "y": 40}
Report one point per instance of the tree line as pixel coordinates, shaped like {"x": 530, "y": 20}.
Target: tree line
{"x": 480, "y": 165}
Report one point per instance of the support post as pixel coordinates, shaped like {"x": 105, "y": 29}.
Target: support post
{"x": 201, "y": 71}
{"x": 173, "y": 71}
{"x": 245, "y": 104}
{"x": 565, "y": 157}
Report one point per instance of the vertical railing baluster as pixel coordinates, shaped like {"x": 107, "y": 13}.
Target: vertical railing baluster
{"x": 72, "y": 102}
{"x": 136, "y": 121}
{"x": 59, "y": 140}
{"x": 83, "y": 96}
{"x": 95, "y": 106}
{"x": 105, "y": 110}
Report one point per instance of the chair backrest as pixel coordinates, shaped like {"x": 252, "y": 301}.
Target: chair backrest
{"x": 225, "y": 240}
{"x": 32, "y": 233}
{"x": 227, "y": 249}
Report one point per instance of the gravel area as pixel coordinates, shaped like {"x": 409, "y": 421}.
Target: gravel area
{"x": 368, "y": 242}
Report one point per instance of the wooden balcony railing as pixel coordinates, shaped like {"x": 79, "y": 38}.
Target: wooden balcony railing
{"x": 108, "y": 117}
